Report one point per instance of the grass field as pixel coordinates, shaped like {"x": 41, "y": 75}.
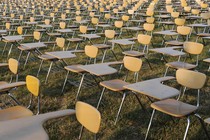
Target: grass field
{"x": 133, "y": 120}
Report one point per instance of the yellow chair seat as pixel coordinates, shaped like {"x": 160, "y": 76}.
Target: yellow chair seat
{"x": 134, "y": 53}
{"x": 179, "y": 65}
{"x": 173, "y": 107}
{"x": 14, "y": 113}
{"x": 114, "y": 85}
{"x": 74, "y": 68}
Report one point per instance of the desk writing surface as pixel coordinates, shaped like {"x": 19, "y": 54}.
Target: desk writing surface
{"x": 99, "y": 69}
{"x": 33, "y": 45}
{"x": 169, "y": 51}
{"x": 122, "y": 42}
{"x": 154, "y": 88}
{"x": 29, "y": 128}
{"x": 168, "y": 32}
{"x": 13, "y": 38}
{"x": 64, "y": 30}
{"x": 89, "y": 36}
{"x": 61, "y": 54}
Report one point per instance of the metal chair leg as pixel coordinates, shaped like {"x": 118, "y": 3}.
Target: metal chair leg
{"x": 139, "y": 101}
{"x": 10, "y": 50}
{"x": 26, "y": 60}
{"x": 102, "y": 93}
{"x": 4, "y": 48}
{"x": 188, "y": 124}
{"x": 20, "y": 55}
{"x": 114, "y": 55}
{"x": 104, "y": 55}
{"x": 80, "y": 85}
{"x": 81, "y": 131}
{"x": 150, "y": 122}
{"x": 40, "y": 66}
{"x": 202, "y": 124}
{"x": 148, "y": 63}
{"x": 64, "y": 84}
{"x": 13, "y": 98}
{"x": 118, "y": 113}
{"x": 48, "y": 73}
{"x": 166, "y": 71}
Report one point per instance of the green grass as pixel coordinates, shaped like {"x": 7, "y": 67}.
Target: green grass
{"x": 133, "y": 120}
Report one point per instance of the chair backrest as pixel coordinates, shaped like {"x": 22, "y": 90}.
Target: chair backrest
{"x": 52, "y": 14}
{"x": 78, "y": 18}
{"x": 94, "y": 21}
{"x": 118, "y": 24}
{"x": 62, "y": 25}
{"x": 132, "y": 63}
{"x": 184, "y": 30}
{"x": 91, "y": 51}
{"x": 32, "y": 19}
{"x": 37, "y": 35}
{"x": 190, "y": 79}
{"x": 21, "y": 17}
{"x": 63, "y": 16}
{"x": 60, "y": 42}
{"x": 169, "y": 8}
{"x": 88, "y": 116}
{"x": 179, "y": 21}
{"x": 110, "y": 34}
{"x": 130, "y": 12}
{"x": 193, "y": 47}
{"x": 83, "y": 29}
{"x": 20, "y": 30}
{"x": 13, "y": 65}
{"x": 33, "y": 85}
{"x": 107, "y": 16}
{"x": 175, "y": 14}
{"x": 195, "y": 11}
{"x": 101, "y": 9}
{"x": 150, "y": 20}
{"x": 148, "y": 27}
{"x": 8, "y": 25}
{"x": 47, "y": 21}
{"x": 78, "y": 13}
{"x": 187, "y": 8}
{"x": 149, "y": 12}
{"x": 125, "y": 18}
{"x": 144, "y": 39}
{"x": 92, "y": 14}
{"x": 204, "y": 5}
